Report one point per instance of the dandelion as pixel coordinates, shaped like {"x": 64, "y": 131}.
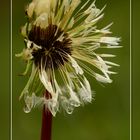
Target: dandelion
{"x": 61, "y": 45}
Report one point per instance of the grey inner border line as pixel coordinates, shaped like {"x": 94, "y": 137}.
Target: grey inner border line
{"x": 11, "y": 71}
{"x": 130, "y": 69}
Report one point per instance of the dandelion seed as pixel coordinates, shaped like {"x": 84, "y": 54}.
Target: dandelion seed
{"x": 60, "y": 35}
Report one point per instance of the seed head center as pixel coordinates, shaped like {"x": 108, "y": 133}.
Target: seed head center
{"x": 55, "y": 46}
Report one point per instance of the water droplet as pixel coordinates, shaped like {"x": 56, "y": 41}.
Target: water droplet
{"x": 26, "y": 109}
{"x": 53, "y": 107}
{"x": 74, "y": 103}
{"x": 69, "y": 110}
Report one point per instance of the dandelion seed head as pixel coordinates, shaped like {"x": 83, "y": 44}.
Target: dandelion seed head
{"x": 61, "y": 39}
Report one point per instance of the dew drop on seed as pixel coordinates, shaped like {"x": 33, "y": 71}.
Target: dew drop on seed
{"x": 26, "y": 109}
{"x": 69, "y": 110}
{"x": 74, "y": 103}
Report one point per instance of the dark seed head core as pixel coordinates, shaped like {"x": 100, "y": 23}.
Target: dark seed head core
{"x": 55, "y": 46}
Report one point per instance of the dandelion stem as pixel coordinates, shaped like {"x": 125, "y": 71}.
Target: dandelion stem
{"x": 46, "y": 121}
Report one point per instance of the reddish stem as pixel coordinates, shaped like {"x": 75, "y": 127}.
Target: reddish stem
{"x": 46, "y": 121}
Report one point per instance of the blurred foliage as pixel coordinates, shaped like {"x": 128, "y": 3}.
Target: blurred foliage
{"x": 135, "y": 70}
{"x": 4, "y": 71}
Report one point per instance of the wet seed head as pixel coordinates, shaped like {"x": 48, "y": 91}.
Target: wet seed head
{"x": 55, "y": 46}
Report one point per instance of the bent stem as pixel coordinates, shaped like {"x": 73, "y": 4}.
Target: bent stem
{"x": 46, "y": 121}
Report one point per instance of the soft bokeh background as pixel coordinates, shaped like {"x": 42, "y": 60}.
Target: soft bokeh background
{"x": 136, "y": 69}
{"x": 4, "y": 70}
{"x": 107, "y": 118}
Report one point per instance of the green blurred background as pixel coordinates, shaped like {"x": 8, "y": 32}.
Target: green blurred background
{"x": 107, "y": 118}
